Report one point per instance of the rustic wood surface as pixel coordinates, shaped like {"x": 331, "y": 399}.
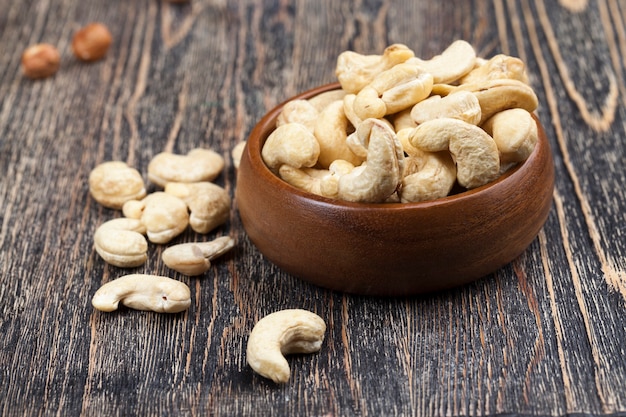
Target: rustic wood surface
{"x": 545, "y": 335}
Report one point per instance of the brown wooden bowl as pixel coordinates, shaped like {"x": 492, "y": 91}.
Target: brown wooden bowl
{"x": 392, "y": 249}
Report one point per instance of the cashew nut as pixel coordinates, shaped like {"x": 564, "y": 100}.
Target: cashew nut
{"x": 195, "y": 258}
{"x": 514, "y": 132}
{"x": 499, "y": 66}
{"x": 209, "y": 204}
{"x": 320, "y": 101}
{"x": 282, "y": 333}
{"x": 454, "y": 62}
{"x": 291, "y": 144}
{"x": 331, "y": 132}
{"x": 381, "y": 175}
{"x": 237, "y": 152}
{"x": 473, "y": 150}
{"x": 393, "y": 90}
{"x": 462, "y": 105}
{"x": 198, "y": 165}
{"x": 354, "y": 71}
{"x": 164, "y": 215}
{"x": 427, "y": 176}
{"x": 315, "y": 181}
{"x": 143, "y": 292}
{"x": 298, "y": 111}
{"x": 113, "y": 183}
{"x": 121, "y": 242}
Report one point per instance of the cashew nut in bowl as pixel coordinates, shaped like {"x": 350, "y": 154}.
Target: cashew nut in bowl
{"x": 515, "y": 134}
{"x": 209, "y": 204}
{"x": 298, "y": 111}
{"x": 143, "y": 292}
{"x": 290, "y": 144}
{"x": 121, "y": 242}
{"x": 164, "y": 215}
{"x": 497, "y": 67}
{"x": 315, "y": 181}
{"x": 195, "y": 258}
{"x": 113, "y": 183}
{"x": 198, "y": 165}
{"x": 354, "y": 71}
{"x": 462, "y": 105}
{"x": 427, "y": 176}
{"x": 381, "y": 174}
{"x": 281, "y": 333}
{"x": 473, "y": 150}
{"x": 454, "y": 62}
{"x": 331, "y": 131}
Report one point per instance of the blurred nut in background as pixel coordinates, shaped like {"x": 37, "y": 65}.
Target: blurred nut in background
{"x": 41, "y": 60}
{"x": 91, "y": 42}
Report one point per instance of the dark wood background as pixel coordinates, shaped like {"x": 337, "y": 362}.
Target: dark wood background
{"x": 543, "y": 335}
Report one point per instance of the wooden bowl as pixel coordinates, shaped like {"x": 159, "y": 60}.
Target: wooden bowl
{"x": 391, "y": 249}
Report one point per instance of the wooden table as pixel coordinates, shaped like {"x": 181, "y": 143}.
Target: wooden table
{"x": 543, "y": 335}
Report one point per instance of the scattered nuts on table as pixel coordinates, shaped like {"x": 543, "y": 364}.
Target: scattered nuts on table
{"x": 453, "y": 119}
{"x": 40, "y": 61}
{"x": 195, "y": 258}
{"x": 282, "y": 333}
{"x": 143, "y": 292}
{"x": 91, "y": 42}
{"x": 113, "y": 183}
{"x": 121, "y": 242}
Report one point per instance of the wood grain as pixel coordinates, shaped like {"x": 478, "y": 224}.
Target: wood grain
{"x": 544, "y": 335}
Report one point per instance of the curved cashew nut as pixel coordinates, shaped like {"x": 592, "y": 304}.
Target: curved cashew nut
{"x": 198, "y": 165}
{"x": 427, "y": 176}
{"x": 320, "y": 182}
{"x": 320, "y": 101}
{"x": 113, "y": 183}
{"x": 195, "y": 258}
{"x": 462, "y": 105}
{"x": 164, "y": 215}
{"x": 143, "y": 292}
{"x": 393, "y": 90}
{"x": 281, "y": 333}
{"x": 331, "y": 129}
{"x": 454, "y": 62}
{"x": 515, "y": 134}
{"x": 209, "y": 204}
{"x": 237, "y": 152}
{"x": 499, "y": 66}
{"x": 473, "y": 150}
{"x": 121, "y": 242}
{"x": 381, "y": 175}
{"x": 290, "y": 144}
{"x": 354, "y": 71}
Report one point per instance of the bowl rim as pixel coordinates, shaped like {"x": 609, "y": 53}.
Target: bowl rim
{"x": 267, "y": 124}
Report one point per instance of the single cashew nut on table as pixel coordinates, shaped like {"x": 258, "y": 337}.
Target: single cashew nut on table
{"x": 121, "y": 242}
{"x": 381, "y": 174}
{"x": 143, "y": 292}
{"x": 198, "y": 165}
{"x": 164, "y": 215}
{"x": 473, "y": 150}
{"x": 209, "y": 204}
{"x": 281, "y": 333}
{"x": 113, "y": 183}
{"x": 354, "y": 71}
{"x": 195, "y": 258}
{"x": 237, "y": 152}
{"x": 290, "y": 144}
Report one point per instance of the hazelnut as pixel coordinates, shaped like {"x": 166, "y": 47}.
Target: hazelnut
{"x": 91, "y": 42}
{"x": 41, "y": 60}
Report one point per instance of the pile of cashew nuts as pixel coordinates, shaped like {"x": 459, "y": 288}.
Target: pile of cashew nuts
{"x": 404, "y": 129}
{"x": 189, "y": 198}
